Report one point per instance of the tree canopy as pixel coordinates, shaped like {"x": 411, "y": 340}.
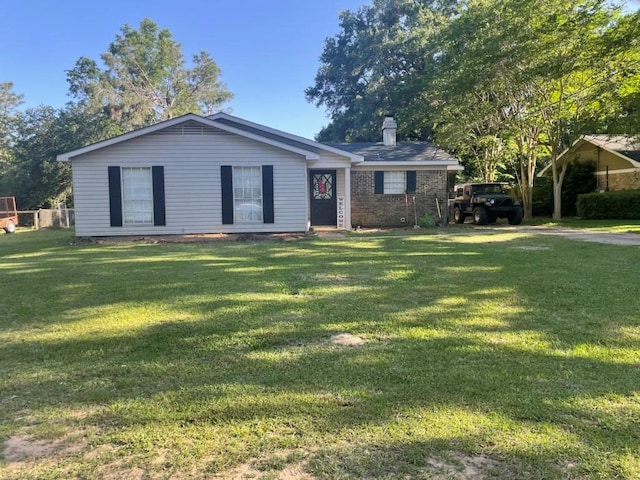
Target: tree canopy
{"x": 9, "y": 102}
{"x": 145, "y": 79}
{"x": 366, "y": 69}
{"x": 501, "y": 83}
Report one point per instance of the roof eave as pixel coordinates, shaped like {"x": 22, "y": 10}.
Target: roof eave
{"x": 593, "y": 141}
{"x": 448, "y": 164}
{"x": 353, "y": 157}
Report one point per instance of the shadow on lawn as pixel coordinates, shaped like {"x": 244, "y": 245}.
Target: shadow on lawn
{"x": 271, "y": 361}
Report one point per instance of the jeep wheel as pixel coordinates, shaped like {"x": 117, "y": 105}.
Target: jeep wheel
{"x": 458, "y": 216}
{"x": 479, "y": 216}
{"x": 515, "y": 217}
{"x": 10, "y": 227}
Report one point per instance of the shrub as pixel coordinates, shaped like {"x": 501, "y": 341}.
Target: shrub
{"x": 579, "y": 179}
{"x": 426, "y": 221}
{"x": 619, "y": 205}
{"x": 542, "y": 202}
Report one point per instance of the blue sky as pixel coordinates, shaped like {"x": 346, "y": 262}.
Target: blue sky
{"x": 268, "y": 50}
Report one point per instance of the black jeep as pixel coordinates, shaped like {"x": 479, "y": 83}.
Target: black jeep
{"x": 486, "y": 202}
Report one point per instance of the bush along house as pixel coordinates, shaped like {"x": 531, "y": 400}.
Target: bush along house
{"x": 224, "y": 174}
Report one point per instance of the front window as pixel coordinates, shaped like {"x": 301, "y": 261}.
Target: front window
{"x": 137, "y": 195}
{"x": 394, "y": 182}
{"x": 247, "y": 198}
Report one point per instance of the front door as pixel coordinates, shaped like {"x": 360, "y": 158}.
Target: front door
{"x": 323, "y": 197}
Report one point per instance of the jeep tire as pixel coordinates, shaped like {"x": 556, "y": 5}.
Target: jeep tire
{"x": 458, "y": 216}
{"x": 515, "y": 217}
{"x": 479, "y": 216}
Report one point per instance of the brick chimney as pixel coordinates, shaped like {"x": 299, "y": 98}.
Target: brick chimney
{"x": 389, "y": 128}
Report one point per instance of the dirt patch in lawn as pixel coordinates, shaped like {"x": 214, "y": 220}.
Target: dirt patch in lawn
{"x": 454, "y": 467}
{"x": 247, "y": 471}
{"x": 465, "y": 467}
{"x": 347, "y": 340}
{"x": 23, "y": 448}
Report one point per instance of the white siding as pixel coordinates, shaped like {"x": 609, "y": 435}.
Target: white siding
{"x": 329, "y": 160}
{"x": 192, "y": 156}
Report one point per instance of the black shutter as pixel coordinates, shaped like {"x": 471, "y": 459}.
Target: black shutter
{"x": 226, "y": 176}
{"x": 115, "y": 197}
{"x": 378, "y": 182}
{"x": 267, "y": 194}
{"x": 159, "y": 217}
{"x": 411, "y": 181}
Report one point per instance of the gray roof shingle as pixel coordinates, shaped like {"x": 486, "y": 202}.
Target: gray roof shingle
{"x": 401, "y": 152}
{"x": 629, "y": 146}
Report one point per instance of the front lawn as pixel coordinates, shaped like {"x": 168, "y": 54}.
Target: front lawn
{"x": 488, "y": 355}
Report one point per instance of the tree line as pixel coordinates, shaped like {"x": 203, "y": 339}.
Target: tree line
{"x": 143, "y": 78}
{"x": 504, "y": 84}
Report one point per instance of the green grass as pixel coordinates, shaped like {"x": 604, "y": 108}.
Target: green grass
{"x": 490, "y": 355}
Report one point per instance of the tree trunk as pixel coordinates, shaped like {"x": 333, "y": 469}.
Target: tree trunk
{"x": 528, "y": 162}
{"x": 527, "y": 201}
{"x": 558, "y": 178}
{"x": 557, "y": 200}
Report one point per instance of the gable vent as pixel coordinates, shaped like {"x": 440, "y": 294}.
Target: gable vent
{"x": 192, "y": 128}
{"x": 189, "y": 128}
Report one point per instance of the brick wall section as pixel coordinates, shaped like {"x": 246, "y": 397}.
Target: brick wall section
{"x": 384, "y": 210}
{"x": 621, "y": 181}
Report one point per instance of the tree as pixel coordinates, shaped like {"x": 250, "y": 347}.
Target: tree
{"x": 495, "y": 81}
{"x": 9, "y": 102}
{"x": 543, "y": 69}
{"x": 33, "y": 175}
{"x": 366, "y": 69}
{"x": 145, "y": 80}
{"x": 478, "y": 91}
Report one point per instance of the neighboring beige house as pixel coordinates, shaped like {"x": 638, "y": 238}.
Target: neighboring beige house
{"x": 223, "y": 174}
{"x": 616, "y": 159}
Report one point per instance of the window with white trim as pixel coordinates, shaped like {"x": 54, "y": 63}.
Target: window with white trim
{"x": 137, "y": 196}
{"x": 394, "y": 182}
{"x": 247, "y": 194}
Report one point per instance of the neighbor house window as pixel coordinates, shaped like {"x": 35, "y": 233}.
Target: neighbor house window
{"x": 137, "y": 195}
{"x": 247, "y": 194}
{"x": 394, "y": 182}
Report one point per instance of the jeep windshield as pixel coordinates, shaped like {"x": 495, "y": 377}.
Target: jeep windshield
{"x": 488, "y": 188}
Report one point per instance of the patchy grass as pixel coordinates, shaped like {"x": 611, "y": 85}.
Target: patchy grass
{"x": 496, "y": 355}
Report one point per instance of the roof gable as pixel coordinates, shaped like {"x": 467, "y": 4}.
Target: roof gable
{"x": 310, "y": 150}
